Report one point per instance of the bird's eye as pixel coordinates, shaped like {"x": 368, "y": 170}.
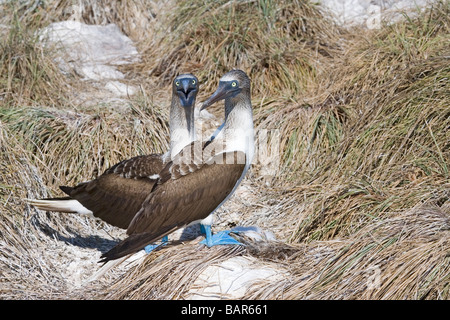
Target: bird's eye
{"x": 177, "y": 83}
{"x": 234, "y": 84}
{"x": 193, "y": 81}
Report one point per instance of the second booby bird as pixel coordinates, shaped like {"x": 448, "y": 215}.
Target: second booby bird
{"x": 118, "y": 194}
{"x": 201, "y": 177}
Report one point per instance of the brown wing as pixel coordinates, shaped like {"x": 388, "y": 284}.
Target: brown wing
{"x": 118, "y": 194}
{"x": 179, "y": 201}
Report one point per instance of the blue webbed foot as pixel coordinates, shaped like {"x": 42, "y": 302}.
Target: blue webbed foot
{"x": 221, "y": 237}
{"x": 149, "y": 248}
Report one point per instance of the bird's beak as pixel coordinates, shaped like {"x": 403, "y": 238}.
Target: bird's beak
{"x": 222, "y": 92}
{"x": 187, "y": 94}
{"x": 185, "y": 86}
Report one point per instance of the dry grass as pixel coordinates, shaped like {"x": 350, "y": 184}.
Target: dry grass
{"x": 28, "y": 74}
{"x": 42, "y": 256}
{"x": 133, "y": 18}
{"x": 361, "y": 198}
{"x": 404, "y": 256}
{"x": 153, "y": 279}
{"x": 209, "y": 38}
{"x": 25, "y": 273}
{"x": 91, "y": 143}
{"x": 375, "y": 140}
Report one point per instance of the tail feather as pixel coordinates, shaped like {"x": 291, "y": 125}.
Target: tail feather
{"x": 130, "y": 260}
{"x": 66, "y": 204}
{"x": 105, "y": 268}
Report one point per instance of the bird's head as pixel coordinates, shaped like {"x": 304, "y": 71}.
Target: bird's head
{"x": 231, "y": 85}
{"x": 186, "y": 87}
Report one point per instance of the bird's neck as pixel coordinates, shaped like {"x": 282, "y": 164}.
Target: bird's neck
{"x": 182, "y": 128}
{"x": 237, "y": 132}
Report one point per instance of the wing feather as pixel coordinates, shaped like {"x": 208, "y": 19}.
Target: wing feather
{"x": 118, "y": 194}
{"x": 176, "y": 202}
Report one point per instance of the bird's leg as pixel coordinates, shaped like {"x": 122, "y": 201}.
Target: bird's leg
{"x": 149, "y": 248}
{"x": 221, "y": 237}
{"x": 206, "y": 230}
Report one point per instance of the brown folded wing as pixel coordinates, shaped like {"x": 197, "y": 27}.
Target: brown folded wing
{"x": 188, "y": 195}
{"x": 117, "y": 195}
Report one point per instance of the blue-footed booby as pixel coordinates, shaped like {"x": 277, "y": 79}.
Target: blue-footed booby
{"x": 201, "y": 177}
{"x": 118, "y": 194}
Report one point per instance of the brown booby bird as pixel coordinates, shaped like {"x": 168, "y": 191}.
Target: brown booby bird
{"x": 119, "y": 193}
{"x": 200, "y": 178}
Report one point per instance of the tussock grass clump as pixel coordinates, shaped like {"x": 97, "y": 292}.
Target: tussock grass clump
{"x": 404, "y": 256}
{"x": 38, "y": 250}
{"x": 378, "y": 141}
{"x": 89, "y": 143}
{"x": 28, "y": 74}
{"x": 22, "y": 265}
{"x": 153, "y": 278}
{"x": 134, "y": 18}
{"x": 277, "y": 42}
